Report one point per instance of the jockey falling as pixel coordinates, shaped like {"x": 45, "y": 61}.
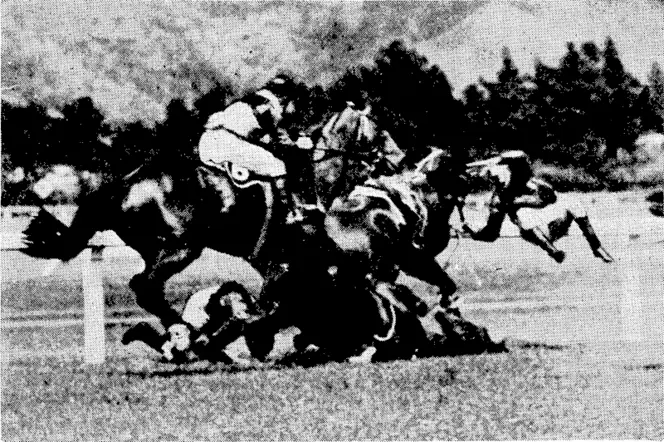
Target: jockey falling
{"x": 515, "y": 188}
{"x": 254, "y": 132}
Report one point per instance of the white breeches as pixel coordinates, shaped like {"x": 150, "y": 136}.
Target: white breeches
{"x": 218, "y": 146}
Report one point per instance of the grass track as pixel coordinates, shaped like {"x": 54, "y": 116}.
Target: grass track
{"x": 589, "y": 368}
{"x": 527, "y": 393}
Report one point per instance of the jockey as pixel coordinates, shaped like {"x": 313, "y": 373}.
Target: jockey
{"x": 205, "y": 312}
{"x": 254, "y": 132}
{"x": 514, "y": 188}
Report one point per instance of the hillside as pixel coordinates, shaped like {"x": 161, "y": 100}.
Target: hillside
{"x": 133, "y": 57}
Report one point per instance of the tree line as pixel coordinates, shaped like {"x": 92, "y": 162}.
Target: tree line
{"x": 583, "y": 113}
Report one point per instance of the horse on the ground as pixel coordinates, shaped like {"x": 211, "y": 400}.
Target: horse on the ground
{"x": 170, "y": 212}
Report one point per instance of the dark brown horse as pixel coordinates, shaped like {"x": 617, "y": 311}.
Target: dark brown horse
{"x": 401, "y": 223}
{"x": 170, "y": 212}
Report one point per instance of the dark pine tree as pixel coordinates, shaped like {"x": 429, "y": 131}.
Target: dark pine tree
{"x": 653, "y": 118}
{"x": 620, "y": 127}
{"x": 509, "y": 108}
{"x": 476, "y": 125}
{"x": 414, "y": 101}
{"x": 76, "y": 137}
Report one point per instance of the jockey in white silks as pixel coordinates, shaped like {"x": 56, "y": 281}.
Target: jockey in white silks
{"x": 252, "y": 133}
{"x": 515, "y": 188}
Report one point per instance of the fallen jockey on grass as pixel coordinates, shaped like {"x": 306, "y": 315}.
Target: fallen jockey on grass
{"x": 254, "y": 132}
{"x": 205, "y": 312}
{"x": 515, "y": 188}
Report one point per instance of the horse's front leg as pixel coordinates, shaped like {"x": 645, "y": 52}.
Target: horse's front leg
{"x": 423, "y": 266}
{"x": 150, "y": 295}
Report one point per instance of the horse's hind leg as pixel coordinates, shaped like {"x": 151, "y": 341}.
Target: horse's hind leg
{"x": 149, "y": 285}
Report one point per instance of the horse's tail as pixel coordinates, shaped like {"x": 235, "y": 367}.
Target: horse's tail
{"x": 49, "y": 238}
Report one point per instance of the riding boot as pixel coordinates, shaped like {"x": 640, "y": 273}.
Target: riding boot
{"x": 593, "y": 240}
{"x": 537, "y": 237}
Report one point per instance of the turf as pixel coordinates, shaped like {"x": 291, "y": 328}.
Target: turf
{"x": 527, "y": 393}
{"x": 585, "y": 360}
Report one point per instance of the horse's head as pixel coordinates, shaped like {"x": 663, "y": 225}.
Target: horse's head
{"x": 350, "y": 147}
{"x": 341, "y": 129}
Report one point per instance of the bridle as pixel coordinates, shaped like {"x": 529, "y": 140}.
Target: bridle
{"x": 331, "y": 152}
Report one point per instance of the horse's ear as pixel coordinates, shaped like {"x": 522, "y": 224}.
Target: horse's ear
{"x": 367, "y": 110}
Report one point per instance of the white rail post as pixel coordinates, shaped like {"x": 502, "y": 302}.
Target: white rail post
{"x": 93, "y": 306}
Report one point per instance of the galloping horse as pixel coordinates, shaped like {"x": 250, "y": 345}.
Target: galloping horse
{"x": 170, "y": 212}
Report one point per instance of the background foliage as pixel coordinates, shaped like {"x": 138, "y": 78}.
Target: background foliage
{"x": 139, "y": 83}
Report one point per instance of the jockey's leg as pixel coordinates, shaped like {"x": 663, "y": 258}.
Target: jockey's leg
{"x": 536, "y": 236}
{"x": 589, "y": 233}
{"x": 558, "y": 227}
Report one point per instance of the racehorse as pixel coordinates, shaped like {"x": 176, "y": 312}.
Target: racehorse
{"x": 401, "y": 222}
{"x": 170, "y": 212}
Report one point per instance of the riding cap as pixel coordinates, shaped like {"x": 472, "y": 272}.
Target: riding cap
{"x": 283, "y": 86}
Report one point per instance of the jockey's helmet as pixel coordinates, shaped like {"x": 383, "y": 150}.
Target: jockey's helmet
{"x": 283, "y": 86}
